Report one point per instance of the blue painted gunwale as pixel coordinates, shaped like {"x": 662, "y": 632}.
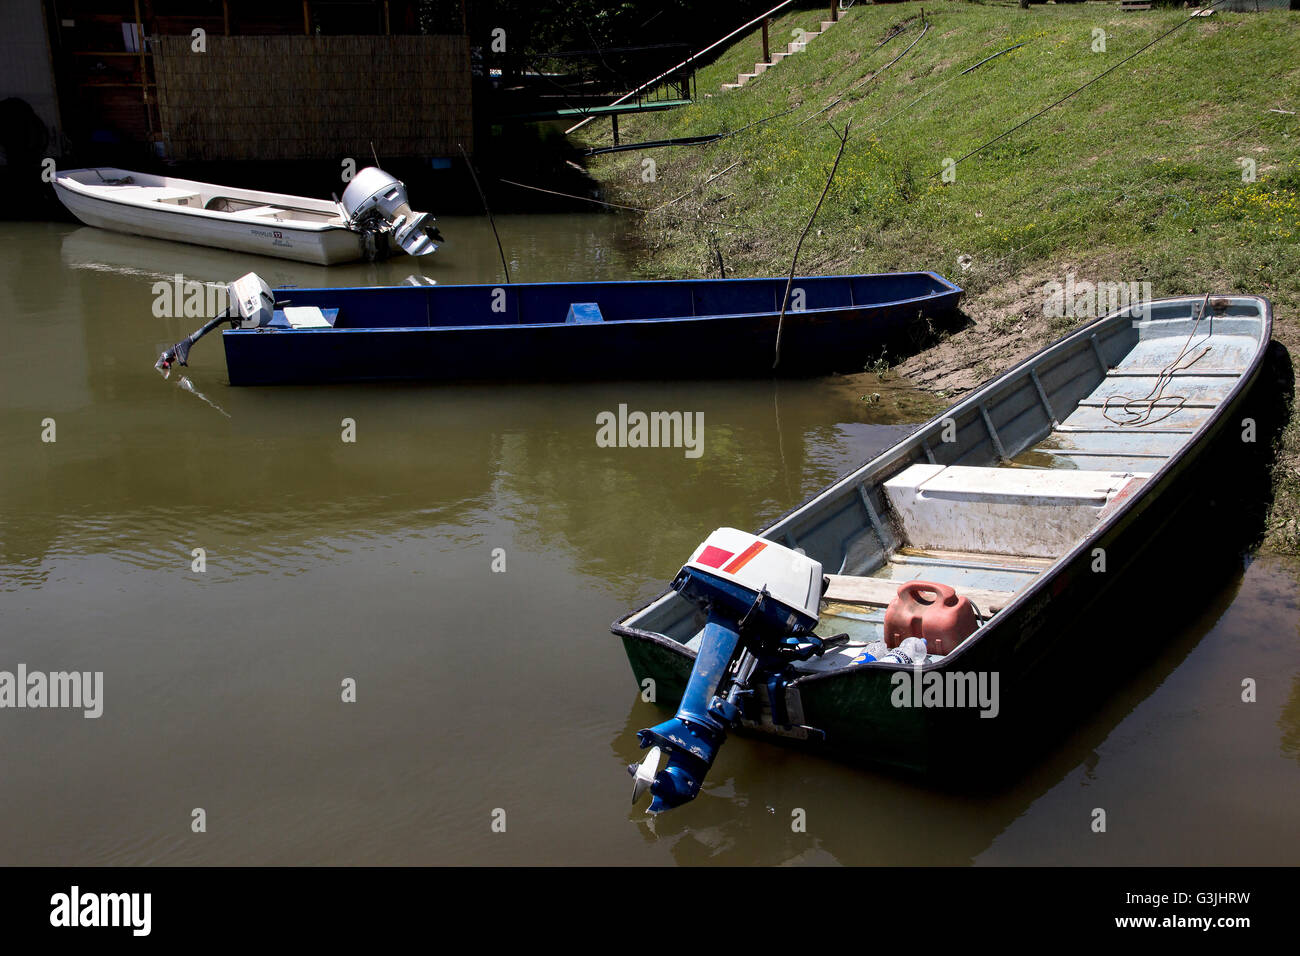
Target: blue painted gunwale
{"x": 707, "y": 328}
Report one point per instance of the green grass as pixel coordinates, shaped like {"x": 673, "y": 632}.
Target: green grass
{"x": 1137, "y": 178}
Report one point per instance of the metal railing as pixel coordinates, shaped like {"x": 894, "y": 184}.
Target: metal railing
{"x": 690, "y": 60}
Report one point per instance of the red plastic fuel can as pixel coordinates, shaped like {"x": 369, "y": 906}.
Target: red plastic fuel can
{"x": 932, "y": 612}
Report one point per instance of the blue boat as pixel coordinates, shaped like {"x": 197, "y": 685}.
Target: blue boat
{"x": 703, "y": 328}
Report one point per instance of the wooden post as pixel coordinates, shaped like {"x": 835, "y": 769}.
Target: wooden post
{"x": 306, "y": 17}
{"x": 144, "y": 70}
{"x": 387, "y": 29}
{"x": 225, "y": 15}
{"x": 766, "y": 56}
{"x": 613, "y": 118}
{"x": 835, "y": 11}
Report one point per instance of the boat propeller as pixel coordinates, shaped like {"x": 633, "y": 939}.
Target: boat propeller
{"x": 179, "y": 353}
{"x": 643, "y": 773}
{"x": 762, "y": 601}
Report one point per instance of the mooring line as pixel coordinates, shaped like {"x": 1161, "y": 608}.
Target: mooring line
{"x": 864, "y": 80}
{"x": 697, "y": 187}
{"x": 1178, "y": 26}
{"x": 611, "y": 205}
{"x": 971, "y": 69}
{"x": 1124, "y": 194}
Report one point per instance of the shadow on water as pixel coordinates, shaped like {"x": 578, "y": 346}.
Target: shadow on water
{"x": 865, "y": 815}
{"x": 1289, "y": 722}
{"x": 276, "y": 479}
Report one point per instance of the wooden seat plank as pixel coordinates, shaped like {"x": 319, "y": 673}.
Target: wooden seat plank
{"x": 878, "y": 591}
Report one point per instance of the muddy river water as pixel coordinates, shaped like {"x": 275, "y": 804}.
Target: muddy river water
{"x": 457, "y": 566}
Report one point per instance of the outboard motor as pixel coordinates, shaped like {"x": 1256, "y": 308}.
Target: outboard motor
{"x": 252, "y": 302}
{"x": 762, "y": 601}
{"x": 250, "y": 305}
{"x": 376, "y": 205}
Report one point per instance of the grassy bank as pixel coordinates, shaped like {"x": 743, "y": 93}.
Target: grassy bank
{"x": 1138, "y": 178}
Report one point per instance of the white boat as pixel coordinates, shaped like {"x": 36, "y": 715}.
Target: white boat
{"x": 372, "y": 220}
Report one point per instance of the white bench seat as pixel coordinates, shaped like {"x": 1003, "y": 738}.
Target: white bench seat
{"x": 166, "y": 194}
{"x": 1023, "y": 511}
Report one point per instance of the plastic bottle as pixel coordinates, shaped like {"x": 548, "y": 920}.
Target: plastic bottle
{"x": 914, "y": 648}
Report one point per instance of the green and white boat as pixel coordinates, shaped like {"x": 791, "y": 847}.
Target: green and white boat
{"x": 1038, "y": 497}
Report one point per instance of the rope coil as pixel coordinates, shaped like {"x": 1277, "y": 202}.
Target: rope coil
{"x": 1140, "y": 410}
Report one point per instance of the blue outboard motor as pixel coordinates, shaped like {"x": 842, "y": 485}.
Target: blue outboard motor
{"x": 762, "y": 601}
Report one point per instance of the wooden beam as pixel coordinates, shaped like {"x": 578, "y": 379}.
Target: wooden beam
{"x": 144, "y": 76}
{"x": 879, "y": 592}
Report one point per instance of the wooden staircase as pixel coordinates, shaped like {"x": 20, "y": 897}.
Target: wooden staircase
{"x": 791, "y": 49}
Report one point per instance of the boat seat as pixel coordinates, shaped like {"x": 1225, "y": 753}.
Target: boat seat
{"x": 848, "y": 589}
{"x": 166, "y": 194}
{"x": 1019, "y": 511}
{"x": 303, "y": 317}
{"x": 583, "y": 313}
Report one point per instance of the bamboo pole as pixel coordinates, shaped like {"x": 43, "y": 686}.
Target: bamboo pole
{"x": 491, "y": 221}
{"x": 794, "y": 261}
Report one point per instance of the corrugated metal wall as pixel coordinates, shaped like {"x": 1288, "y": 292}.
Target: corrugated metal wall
{"x": 301, "y": 97}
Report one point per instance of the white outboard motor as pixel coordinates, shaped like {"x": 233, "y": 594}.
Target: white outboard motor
{"x": 375, "y": 203}
{"x": 252, "y": 304}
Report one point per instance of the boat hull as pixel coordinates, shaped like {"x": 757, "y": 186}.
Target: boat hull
{"x": 327, "y": 245}
{"x": 622, "y": 345}
{"x": 740, "y": 346}
{"x": 1079, "y": 628}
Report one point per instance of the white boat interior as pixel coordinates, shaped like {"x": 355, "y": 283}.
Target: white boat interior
{"x": 182, "y": 194}
{"x": 1010, "y": 481}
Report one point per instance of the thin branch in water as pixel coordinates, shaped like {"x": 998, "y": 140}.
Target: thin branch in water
{"x": 492, "y": 222}
{"x": 794, "y": 261}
